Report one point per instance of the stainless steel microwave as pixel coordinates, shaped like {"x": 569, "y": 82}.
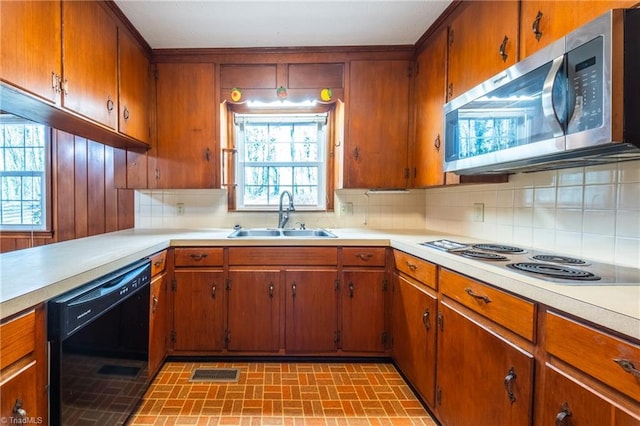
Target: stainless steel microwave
{"x": 574, "y": 103}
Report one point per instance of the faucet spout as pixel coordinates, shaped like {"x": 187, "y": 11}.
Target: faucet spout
{"x": 283, "y": 212}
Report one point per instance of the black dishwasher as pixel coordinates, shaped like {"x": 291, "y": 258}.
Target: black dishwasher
{"x": 99, "y": 348}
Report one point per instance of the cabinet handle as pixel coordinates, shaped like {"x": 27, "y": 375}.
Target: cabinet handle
{"x": 503, "y": 49}
{"x": 411, "y": 266}
{"x": 271, "y": 288}
{"x": 536, "y": 26}
{"x": 563, "y": 414}
{"x": 508, "y": 384}
{"x": 351, "y": 290}
{"x": 154, "y": 304}
{"x": 356, "y": 153}
{"x": 125, "y": 113}
{"x": 207, "y": 155}
{"x": 198, "y": 256}
{"x": 158, "y": 263}
{"x": 470, "y": 292}
{"x": 628, "y": 366}
{"x": 213, "y": 291}
{"x": 110, "y": 104}
{"x": 364, "y": 256}
{"x": 18, "y": 411}
{"x": 293, "y": 289}
{"x": 450, "y": 91}
{"x": 425, "y": 319}
{"x": 436, "y": 143}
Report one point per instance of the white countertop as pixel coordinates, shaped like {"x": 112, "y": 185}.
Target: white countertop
{"x": 32, "y": 276}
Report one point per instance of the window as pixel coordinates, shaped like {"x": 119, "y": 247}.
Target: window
{"x": 23, "y": 180}
{"x": 278, "y": 152}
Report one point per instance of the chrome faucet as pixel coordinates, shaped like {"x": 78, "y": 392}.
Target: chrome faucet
{"x": 283, "y": 213}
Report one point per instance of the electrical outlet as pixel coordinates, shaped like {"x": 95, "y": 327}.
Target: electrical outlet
{"x": 179, "y": 209}
{"x": 346, "y": 209}
{"x": 478, "y": 212}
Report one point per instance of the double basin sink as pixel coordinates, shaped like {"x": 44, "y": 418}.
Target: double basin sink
{"x": 281, "y": 233}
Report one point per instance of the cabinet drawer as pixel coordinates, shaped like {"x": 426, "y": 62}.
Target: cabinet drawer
{"x": 514, "y": 313}
{"x": 265, "y": 256}
{"x": 199, "y": 256}
{"x": 363, "y": 256}
{"x": 607, "y": 358}
{"x": 419, "y": 269}
{"x": 17, "y": 338}
{"x": 158, "y": 263}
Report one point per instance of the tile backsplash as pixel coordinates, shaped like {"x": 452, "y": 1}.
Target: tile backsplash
{"x": 593, "y": 212}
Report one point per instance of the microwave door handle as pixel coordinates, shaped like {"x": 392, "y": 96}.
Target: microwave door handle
{"x": 547, "y": 97}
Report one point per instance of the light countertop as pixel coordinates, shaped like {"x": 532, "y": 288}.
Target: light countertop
{"x": 32, "y": 276}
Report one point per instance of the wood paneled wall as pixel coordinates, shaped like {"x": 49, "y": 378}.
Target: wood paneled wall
{"x": 84, "y": 197}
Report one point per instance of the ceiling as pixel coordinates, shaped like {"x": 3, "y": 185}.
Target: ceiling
{"x": 271, "y": 23}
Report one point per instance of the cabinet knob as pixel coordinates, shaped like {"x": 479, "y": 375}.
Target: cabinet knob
{"x": 503, "y": 49}
{"x": 110, "y": 104}
{"x": 562, "y": 415}
{"x": 125, "y": 113}
{"x": 18, "y": 410}
{"x": 536, "y": 26}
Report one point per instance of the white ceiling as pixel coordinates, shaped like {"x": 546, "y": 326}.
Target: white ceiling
{"x": 271, "y": 23}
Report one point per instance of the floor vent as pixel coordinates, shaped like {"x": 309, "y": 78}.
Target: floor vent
{"x": 215, "y": 375}
{"x": 119, "y": 370}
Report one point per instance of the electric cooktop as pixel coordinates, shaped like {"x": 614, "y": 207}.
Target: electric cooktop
{"x": 546, "y": 266}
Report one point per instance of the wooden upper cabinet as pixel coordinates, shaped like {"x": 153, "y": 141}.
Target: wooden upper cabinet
{"x": 542, "y": 22}
{"x": 133, "y": 106}
{"x": 429, "y": 97}
{"x": 187, "y": 147}
{"x": 376, "y": 134}
{"x": 30, "y": 42}
{"x": 90, "y": 50}
{"x": 483, "y": 40}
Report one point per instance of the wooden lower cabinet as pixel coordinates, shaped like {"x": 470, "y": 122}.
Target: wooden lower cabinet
{"x": 157, "y": 322}
{"x": 311, "y": 310}
{"x": 254, "y": 310}
{"x": 414, "y": 334}
{"x": 565, "y": 401}
{"x": 198, "y": 316}
{"x": 482, "y": 378}
{"x": 363, "y": 311}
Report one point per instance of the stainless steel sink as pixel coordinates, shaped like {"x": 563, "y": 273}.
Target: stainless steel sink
{"x": 281, "y": 233}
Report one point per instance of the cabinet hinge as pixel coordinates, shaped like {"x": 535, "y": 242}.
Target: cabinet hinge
{"x": 440, "y": 321}
{"x": 336, "y": 337}
{"x": 417, "y": 68}
{"x": 156, "y": 74}
{"x": 173, "y": 336}
{"x": 384, "y": 338}
{"x": 406, "y": 173}
{"x": 228, "y": 283}
{"x": 409, "y": 71}
{"x": 227, "y": 337}
{"x": 337, "y": 285}
{"x": 450, "y": 36}
{"x": 385, "y": 285}
{"x": 174, "y": 285}
{"x": 438, "y": 396}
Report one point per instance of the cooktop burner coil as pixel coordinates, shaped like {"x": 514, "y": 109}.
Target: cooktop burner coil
{"x": 499, "y": 248}
{"x": 481, "y": 255}
{"x": 554, "y": 271}
{"x": 564, "y": 260}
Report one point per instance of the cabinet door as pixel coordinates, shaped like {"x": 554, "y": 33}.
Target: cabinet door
{"x": 198, "y": 321}
{"x": 20, "y": 393}
{"x": 543, "y": 22}
{"x": 157, "y": 322}
{"x": 429, "y": 93}
{"x": 311, "y": 321}
{"x": 363, "y": 301}
{"x": 565, "y": 401}
{"x": 187, "y": 154}
{"x": 30, "y": 38}
{"x": 375, "y": 154}
{"x": 254, "y": 311}
{"x": 90, "y": 51}
{"x": 483, "y": 40}
{"x": 414, "y": 335}
{"x": 133, "y": 106}
{"x": 482, "y": 378}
